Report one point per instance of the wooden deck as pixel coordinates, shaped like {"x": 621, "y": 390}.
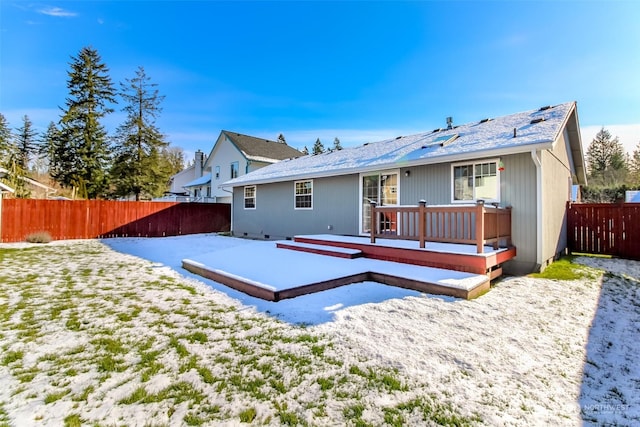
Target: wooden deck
{"x": 489, "y": 262}
{"x": 442, "y": 269}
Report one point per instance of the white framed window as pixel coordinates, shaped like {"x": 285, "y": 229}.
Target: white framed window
{"x": 303, "y": 194}
{"x": 475, "y": 181}
{"x": 217, "y": 172}
{"x": 250, "y": 197}
{"x": 234, "y": 170}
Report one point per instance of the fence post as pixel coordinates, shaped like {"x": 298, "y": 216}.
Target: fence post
{"x": 374, "y": 225}
{"x": 480, "y": 226}
{"x": 422, "y": 225}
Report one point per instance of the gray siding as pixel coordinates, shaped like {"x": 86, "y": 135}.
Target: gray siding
{"x": 556, "y": 185}
{"x": 517, "y": 189}
{"x": 336, "y": 204}
{"x": 335, "y": 210}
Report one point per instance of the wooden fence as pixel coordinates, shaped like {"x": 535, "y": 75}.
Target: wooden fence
{"x": 88, "y": 219}
{"x": 604, "y": 228}
{"x": 477, "y": 225}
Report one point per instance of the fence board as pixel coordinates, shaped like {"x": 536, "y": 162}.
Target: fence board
{"x": 88, "y": 219}
{"x": 604, "y": 228}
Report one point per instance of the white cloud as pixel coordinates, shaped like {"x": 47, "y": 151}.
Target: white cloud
{"x": 58, "y": 12}
{"x": 628, "y": 135}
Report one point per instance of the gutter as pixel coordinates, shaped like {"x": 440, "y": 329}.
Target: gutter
{"x": 535, "y": 156}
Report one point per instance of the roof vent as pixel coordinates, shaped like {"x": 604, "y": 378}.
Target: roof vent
{"x": 538, "y": 120}
{"x": 398, "y": 137}
{"x": 485, "y": 120}
{"x": 546, "y": 107}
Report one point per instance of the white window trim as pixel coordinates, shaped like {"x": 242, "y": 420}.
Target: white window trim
{"x": 473, "y": 164}
{"x": 295, "y": 195}
{"x": 255, "y": 197}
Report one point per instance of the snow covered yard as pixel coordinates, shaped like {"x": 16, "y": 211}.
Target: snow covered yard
{"x": 115, "y": 332}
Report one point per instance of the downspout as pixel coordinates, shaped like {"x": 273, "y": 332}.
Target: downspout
{"x": 536, "y": 161}
{"x": 230, "y": 225}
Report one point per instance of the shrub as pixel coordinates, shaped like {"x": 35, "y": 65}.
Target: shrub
{"x": 39, "y": 237}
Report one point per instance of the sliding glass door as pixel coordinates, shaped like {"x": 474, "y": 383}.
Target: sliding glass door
{"x": 381, "y": 188}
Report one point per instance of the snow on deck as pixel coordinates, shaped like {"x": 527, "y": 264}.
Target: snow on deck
{"x": 263, "y": 265}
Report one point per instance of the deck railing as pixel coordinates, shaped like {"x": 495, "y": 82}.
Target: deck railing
{"x": 478, "y": 224}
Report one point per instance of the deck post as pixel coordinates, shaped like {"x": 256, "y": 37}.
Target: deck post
{"x": 480, "y": 226}
{"x": 422, "y": 225}
{"x": 496, "y": 244}
{"x": 374, "y": 225}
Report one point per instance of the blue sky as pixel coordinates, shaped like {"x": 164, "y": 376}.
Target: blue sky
{"x": 361, "y": 71}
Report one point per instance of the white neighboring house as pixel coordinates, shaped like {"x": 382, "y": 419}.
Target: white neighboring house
{"x": 38, "y": 189}
{"x": 233, "y": 155}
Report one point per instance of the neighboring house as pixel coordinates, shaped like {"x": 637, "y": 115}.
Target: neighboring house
{"x": 182, "y": 178}
{"x": 37, "y": 189}
{"x": 528, "y": 161}
{"x": 234, "y": 155}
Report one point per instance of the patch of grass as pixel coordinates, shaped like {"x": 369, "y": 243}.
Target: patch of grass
{"x": 73, "y": 420}
{"x": 565, "y": 269}
{"x": 82, "y": 397}
{"x": 326, "y": 383}
{"x": 108, "y": 363}
{"x": 178, "y": 347}
{"x": 138, "y": 394}
{"x": 198, "y": 336}
{"x": 12, "y": 356}
{"x": 54, "y": 397}
{"x": 248, "y": 415}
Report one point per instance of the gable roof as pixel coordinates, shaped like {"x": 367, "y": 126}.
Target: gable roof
{"x": 534, "y": 130}
{"x": 260, "y": 149}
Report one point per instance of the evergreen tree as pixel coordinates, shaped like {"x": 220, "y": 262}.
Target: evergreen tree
{"x": 138, "y": 167}
{"x": 336, "y": 144}
{"x": 6, "y": 142}
{"x": 281, "y": 139}
{"x": 81, "y": 157}
{"x": 606, "y": 160}
{"x": 26, "y": 143}
{"x": 318, "y": 147}
{"x": 305, "y": 151}
{"x": 634, "y": 167}
{"x": 7, "y": 150}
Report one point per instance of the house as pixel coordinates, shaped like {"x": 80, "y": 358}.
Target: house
{"x": 232, "y": 156}
{"x": 37, "y": 190}
{"x": 526, "y": 161}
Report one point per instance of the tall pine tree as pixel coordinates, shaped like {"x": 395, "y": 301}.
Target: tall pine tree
{"x": 81, "y": 157}
{"x": 7, "y": 150}
{"x": 138, "y": 166}
{"x": 26, "y": 143}
{"x": 606, "y": 160}
{"x": 318, "y": 147}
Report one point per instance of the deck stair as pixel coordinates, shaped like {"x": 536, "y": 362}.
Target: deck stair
{"x": 319, "y": 249}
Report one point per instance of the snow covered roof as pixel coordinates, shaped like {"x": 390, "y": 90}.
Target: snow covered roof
{"x": 204, "y": 179}
{"x": 261, "y": 150}
{"x": 516, "y": 133}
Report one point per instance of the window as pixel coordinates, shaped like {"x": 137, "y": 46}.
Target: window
{"x": 234, "y": 170}
{"x": 217, "y": 172}
{"x": 476, "y": 181}
{"x": 250, "y": 197}
{"x": 304, "y": 194}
